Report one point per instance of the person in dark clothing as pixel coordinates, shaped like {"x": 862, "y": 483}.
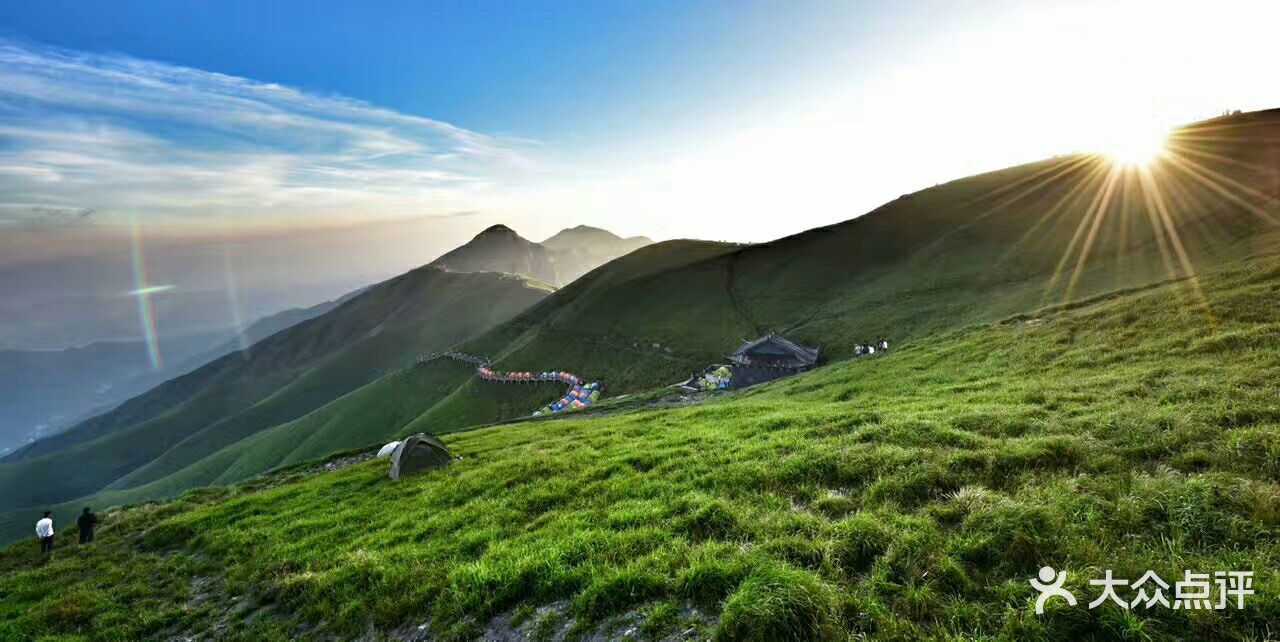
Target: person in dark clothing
{"x": 44, "y": 530}
{"x": 87, "y": 522}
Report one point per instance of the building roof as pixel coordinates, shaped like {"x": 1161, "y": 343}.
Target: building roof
{"x": 774, "y": 350}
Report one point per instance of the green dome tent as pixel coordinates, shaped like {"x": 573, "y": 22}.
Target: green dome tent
{"x": 419, "y": 453}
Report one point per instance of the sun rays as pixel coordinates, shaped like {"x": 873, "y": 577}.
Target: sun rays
{"x": 1136, "y": 147}
{"x": 1146, "y": 207}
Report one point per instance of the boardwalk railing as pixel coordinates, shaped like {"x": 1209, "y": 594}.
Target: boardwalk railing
{"x": 580, "y": 394}
{"x": 455, "y": 355}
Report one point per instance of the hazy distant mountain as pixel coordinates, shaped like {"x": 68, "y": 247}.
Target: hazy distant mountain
{"x": 45, "y": 391}
{"x": 559, "y": 260}
{"x": 263, "y": 328}
{"x": 578, "y": 250}
{"x": 280, "y": 379}
{"x": 500, "y": 249}
{"x": 67, "y": 286}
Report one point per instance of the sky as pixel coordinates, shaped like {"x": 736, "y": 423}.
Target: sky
{"x": 741, "y": 121}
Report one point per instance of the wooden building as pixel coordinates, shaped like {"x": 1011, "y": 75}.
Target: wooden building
{"x": 770, "y": 357}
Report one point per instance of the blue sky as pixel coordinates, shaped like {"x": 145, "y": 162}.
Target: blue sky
{"x": 729, "y": 120}
{"x": 551, "y": 69}
{"x": 300, "y": 149}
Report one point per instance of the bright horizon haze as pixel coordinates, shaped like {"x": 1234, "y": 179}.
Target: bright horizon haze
{"x": 742, "y": 122}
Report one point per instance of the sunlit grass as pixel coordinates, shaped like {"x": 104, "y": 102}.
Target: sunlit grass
{"x": 901, "y": 497}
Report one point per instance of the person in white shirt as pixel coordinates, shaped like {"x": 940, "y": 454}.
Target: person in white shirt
{"x": 44, "y": 530}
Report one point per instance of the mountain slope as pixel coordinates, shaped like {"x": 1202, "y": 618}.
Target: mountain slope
{"x": 437, "y": 397}
{"x": 969, "y": 251}
{"x": 500, "y": 249}
{"x": 282, "y": 378}
{"x": 187, "y": 421}
{"x": 60, "y": 389}
{"x": 267, "y": 326}
{"x": 906, "y": 496}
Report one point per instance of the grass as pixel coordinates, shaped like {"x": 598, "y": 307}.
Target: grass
{"x": 152, "y": 442}
{"x": 971, "y": 251}
{"x": 901, "y": 497}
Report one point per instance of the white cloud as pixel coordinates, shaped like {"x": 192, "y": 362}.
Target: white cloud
{"x": 121, "y": 135}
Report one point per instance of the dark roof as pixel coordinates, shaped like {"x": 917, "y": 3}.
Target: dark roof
{"x": 773, "y": 349}
{"x": 418, "y": 453}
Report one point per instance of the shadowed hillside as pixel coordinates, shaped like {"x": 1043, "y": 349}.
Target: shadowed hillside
{"x": 280, "y": 379}
{"x": 56, "y": 389}
{"x": 439, "y": 396}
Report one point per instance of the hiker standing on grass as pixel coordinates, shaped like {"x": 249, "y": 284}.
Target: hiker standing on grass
{"x": 44, "y": 530}
{"x": 87, "y": 522}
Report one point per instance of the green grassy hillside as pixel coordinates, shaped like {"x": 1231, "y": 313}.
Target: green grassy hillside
{"x": 972, "y": 250}
{"x": 441, "y": 396}
{"x": 351, "y": 421}
{"x": 1138, "y": 335}
{"x": 280, "y": 379}
{"x": 906, "y": 496}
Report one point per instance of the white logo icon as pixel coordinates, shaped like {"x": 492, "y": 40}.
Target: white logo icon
{"x": 1050, "y": 585}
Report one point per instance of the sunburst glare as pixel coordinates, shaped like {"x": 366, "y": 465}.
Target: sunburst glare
{"x": 1134, "y": 147}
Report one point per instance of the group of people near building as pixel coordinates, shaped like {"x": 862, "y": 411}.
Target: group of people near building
{"x": 87, "y": 523}
{"x": 872, "y": 347}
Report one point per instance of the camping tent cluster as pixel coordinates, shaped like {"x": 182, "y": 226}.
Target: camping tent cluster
{"x": 578, "y": 397}
{"x": 717, "y": 377}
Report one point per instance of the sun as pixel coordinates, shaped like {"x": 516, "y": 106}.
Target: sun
{"x": 1135, "y": 146}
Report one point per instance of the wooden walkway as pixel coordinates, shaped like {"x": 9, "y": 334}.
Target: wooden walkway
{"x": 580, "y": 395}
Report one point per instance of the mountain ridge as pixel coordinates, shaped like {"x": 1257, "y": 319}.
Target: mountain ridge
{"x": 559, "y": 260}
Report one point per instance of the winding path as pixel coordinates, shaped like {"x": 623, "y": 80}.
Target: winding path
{"x": 580, "y": 395}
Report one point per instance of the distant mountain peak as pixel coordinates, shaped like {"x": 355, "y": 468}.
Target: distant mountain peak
{"x": 494, "y": 230}
{"x": 559, "y": 260}
{"x": 579, "y": 235}
{"x": 587, "y": 228}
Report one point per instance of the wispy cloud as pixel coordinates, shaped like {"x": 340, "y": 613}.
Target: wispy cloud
{"x": 117, "y": 135}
